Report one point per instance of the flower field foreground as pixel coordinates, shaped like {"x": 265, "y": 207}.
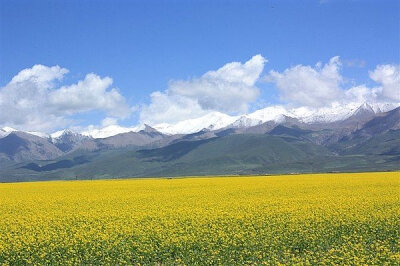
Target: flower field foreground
{"x": 308, "y": 219}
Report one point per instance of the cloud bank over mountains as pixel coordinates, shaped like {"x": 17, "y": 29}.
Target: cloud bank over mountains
{"x": 35, "y": 100}
{"x": 309, "y": 86}
{"x": 32, "y": 100}
{"x": 323, "y": 85}
{"x": 389, "y": 78}
{"x": 229, "y": 89}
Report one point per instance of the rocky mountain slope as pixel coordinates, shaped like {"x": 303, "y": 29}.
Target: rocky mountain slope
{"x": 20, "y": 146}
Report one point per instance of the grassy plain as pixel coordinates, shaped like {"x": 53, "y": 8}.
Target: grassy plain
{"x": 309, "y": 219}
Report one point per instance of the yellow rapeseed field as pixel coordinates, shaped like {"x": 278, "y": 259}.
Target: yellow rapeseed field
{"x": 300, "y": 219}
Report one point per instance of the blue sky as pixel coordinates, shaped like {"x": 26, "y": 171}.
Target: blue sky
{"x": 143, "y": 45}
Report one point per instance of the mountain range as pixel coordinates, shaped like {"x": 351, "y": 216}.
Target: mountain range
{"x": 273, "y": 140}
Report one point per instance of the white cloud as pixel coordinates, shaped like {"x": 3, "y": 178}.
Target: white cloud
{"x": 229, "y": 89}
{"x": 321, "y": 86}
{"x": 310, "y": 86}
{"x": 31, "y": 101}
{"x": 362, "y": 94}
{"x": 109, "y": 121}
{"x": 89, "y": 94}
{"x": 389, "y": 77}
{"x": 40, "y": 75}
{"x": 165, "y": 108}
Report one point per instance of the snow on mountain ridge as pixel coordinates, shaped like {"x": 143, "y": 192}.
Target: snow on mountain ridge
{"x": 65, "y": 135}
{"x": 212, "y": 121}
{"x": 111, "y": 130}
{"x": 39, "y": 134}
{"x": 271, "y": 113}
{"x": 244, "y": 122}
{"x": 217, "y": 120}
{"x": 333, "y": 113}
{"x": 59, "y": 133}
{"x": 5, "y": 131}
{"x": 336, "y": 112}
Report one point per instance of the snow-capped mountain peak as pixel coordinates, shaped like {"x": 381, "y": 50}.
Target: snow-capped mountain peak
{"x": 111, "y": 130}
{"x": 5, "y": 131}
{"x": 66, "y": 136}
{"x": 277, "y": 114}
{"x": 328, "y": 114}
{"x": 271, "y": 113}
{"x": 60, "y": 133}
{"x": 244, "y": 121}
{"x": 8, "y": 129}
{"x": 365, "y": 108}
{"x": 149, "y": 129}
{"x": 39, "y": 134}
{"x": 212, "y": 121}
{"x": 217, "y": 120}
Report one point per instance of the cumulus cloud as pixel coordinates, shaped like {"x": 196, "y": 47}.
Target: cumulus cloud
{"x": 89, "y": 94}
{"x": 167, "y": 108}
{"x": 389, "y": 78}
{"x": 310, "y": 86}
{"x": 109, "y": 121}
{"x": 323, "y": 85}
{"x": 362, "y": 94}
{"x": 229, "y": 89}
{"x": 40, "y": 75}
{"x": 32, "y": 101}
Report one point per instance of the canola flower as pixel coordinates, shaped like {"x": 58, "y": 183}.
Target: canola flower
{"x": 303, "y": 219}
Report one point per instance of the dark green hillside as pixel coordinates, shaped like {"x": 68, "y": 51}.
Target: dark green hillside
{"x": 225, "y": 155}
{"x": 383, "y": 144}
